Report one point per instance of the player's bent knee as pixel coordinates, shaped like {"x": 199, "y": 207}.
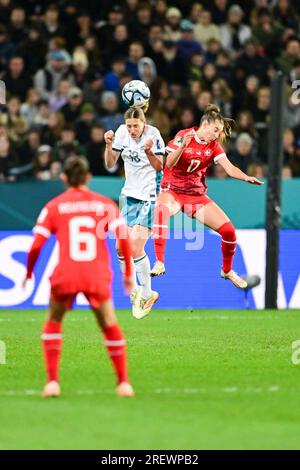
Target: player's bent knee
{"x": 227, "y": 231}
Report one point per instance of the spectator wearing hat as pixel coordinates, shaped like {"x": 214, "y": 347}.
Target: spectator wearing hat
{"x": 187, "y": 46}
{"x": 46, "y": 80}
{"x": 234, "y": 33}
{"x": 173, "y": 68}
{"x": 80, "y": 66}
{"x": 204, "y": 29}
{"x": 42, "y": 163}
{"x": 71, "y": 110}
{"x": 85, "y": 122}
{"x": 172, "y": 29}
{"x": 16, "y": 78}
{"x": 34, "y": 49}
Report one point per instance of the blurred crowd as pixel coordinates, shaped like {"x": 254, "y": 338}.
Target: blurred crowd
{"x": 64, "y": 64}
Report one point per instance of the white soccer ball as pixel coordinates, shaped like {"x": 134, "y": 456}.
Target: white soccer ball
{"x": 136, "y": 93}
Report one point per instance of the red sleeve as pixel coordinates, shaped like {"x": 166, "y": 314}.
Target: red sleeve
{"x": 34, "y": 252}
{"x": 175, "y": 142}
{"x": 117, "y": 224}
{"x": 45, "y": 224}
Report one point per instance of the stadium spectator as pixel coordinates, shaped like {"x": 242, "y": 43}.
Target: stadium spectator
{"x": 95, "y": 152}
{"x": 8, "y": 159}
{"x": 42, "y": 163}
{"x": 136, "y": 52}
{"x": 111, "y": 116}
{"x": 172, "y": 29}
{"x": 71, "y": 110}
{"x": 7, "y": 48}
{"x": 85, "y": 122}
{"x": 234, "y": 33}
{"x": 34, "y": 49}
{"x": 242, "y": 154}
{"x": 187, "y": 45}
{"x": 204, "y": 29}
{"x": 16, "y": 79}
{"x": 47, "y": 79}
{"x": 67, "y": 145}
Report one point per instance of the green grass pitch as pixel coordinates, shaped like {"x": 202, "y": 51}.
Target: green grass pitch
{"x": 203, "y": 380}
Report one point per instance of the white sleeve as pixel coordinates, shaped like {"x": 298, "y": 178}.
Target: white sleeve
{"x": 217, "y": 158}
{"x": 118, "y": 143}
{"x": 159, "y": 145}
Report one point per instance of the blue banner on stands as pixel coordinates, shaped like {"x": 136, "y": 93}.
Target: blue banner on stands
{"x": 193, "y": 272}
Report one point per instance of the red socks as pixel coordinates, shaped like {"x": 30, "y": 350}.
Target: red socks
{"x": 52, "y": 344}
{"x": 115, "y": 344}
{"x": 227, "y": 233}
{"x": 160, "y": 230}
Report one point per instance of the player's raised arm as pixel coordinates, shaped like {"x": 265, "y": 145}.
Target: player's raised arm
{"x": 236, "y": 173}
{"x": 174, "y": 155}
{"x": 110, "y": 155}
{"x": 155, "y": 160}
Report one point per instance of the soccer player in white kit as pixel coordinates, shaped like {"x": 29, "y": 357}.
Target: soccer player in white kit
{"x": 142, "y": 149}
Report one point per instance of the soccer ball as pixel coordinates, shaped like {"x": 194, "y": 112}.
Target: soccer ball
{"x": 136, "y": 93}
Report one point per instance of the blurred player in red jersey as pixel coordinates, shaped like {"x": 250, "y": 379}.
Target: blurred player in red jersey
{"x": 80, "y": 220}
{"x": 183, "y": 187}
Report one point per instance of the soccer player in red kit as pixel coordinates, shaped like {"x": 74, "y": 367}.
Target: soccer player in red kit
{"x": 183, "y": 187}
{"x": 80, "y": 220}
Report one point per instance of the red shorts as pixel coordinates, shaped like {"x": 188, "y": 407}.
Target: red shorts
{"x": 95, "y": 299}
{"x": 189, "y": 204}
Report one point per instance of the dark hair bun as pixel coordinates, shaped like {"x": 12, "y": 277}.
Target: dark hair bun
{"x": 210, "y": 108}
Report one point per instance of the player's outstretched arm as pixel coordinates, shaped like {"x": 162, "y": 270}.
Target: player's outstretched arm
{"x": 110, "y": 155}
{"x": 235, "y": 172}
{"x": 33, "y": 255}
{"x": 156, "y": 161}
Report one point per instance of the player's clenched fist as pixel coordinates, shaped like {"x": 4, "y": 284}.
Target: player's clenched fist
{"x": 109, "y": 137}
{"x": 187, "y": 138}
{"x": 148, "y": 145}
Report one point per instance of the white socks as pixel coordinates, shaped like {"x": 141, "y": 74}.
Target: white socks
{"x": 142, "y": 267}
